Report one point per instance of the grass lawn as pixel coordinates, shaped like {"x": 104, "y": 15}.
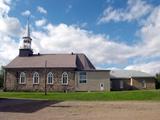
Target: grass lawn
{"x": 150, "y": 95}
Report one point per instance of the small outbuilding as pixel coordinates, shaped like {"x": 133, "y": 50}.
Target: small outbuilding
{"x": 131, "y": 80}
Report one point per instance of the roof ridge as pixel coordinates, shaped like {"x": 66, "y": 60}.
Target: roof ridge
{"x": 59, "y": 54}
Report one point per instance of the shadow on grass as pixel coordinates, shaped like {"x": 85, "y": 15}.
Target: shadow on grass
{"x": 24, "y": 106}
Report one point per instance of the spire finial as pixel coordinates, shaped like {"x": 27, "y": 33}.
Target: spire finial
{"x": 28, "y": 29}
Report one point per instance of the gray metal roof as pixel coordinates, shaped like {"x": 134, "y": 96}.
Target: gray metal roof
{"x": 128, "y": 74}
{"x": 76, "y": 61}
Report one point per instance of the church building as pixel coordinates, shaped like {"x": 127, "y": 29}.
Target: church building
{"x": 54, "y": 72}
{"x": 67, "y": 72}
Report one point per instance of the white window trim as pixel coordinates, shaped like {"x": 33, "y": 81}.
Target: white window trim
{"x": 121, "y": 84}
{"x": 52, "y": 78}
{"x": 33, "y": 78}
{"x": 24, "y": 77}
{"x": 62, "y": 78}
{"x": 79, "y": 78}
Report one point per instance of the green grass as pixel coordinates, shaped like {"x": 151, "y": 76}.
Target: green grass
{"x": 150, "y": 95}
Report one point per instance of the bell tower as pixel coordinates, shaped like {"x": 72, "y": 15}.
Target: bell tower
{"x": 26, "y": 50}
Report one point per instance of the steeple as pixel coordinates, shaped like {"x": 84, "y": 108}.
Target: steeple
{"x": 27, "y": 39}
{"x": 26, "y": 50}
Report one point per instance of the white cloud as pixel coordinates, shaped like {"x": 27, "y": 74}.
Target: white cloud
{"x": 8, "y": 49}
{"x": 10, "y": 26}
{"x": 149, "y": 47}
{"x": 26, "y": 13}
{"x": 150, "y": 67}
{"x": 41, "y": 10}
{"x": 40, "y": 22}
{"x": 64, "y": 38}
{"x": 135, "y": 10}
{"x": 149, "y": 33}
{"x": 4, "y": 7}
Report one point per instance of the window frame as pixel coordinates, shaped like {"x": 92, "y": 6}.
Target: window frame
{"x": 20, "y": 78}
{"x": 50, "y": 73}
{"x": 62, "y": 81}
{"x": 35, "y": 76}
{"x": 80, "y": 80}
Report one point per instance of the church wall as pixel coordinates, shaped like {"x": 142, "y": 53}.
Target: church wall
{"x": 13, "y": 75}
{"x": 94, "y": 79}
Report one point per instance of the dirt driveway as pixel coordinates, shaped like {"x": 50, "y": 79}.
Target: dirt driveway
{"x": 11, "y": 109}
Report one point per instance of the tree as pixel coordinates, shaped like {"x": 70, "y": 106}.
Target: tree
{"x": 158, "y": 81}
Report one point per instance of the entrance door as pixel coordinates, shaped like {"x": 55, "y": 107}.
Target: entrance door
{"x": 101, "y": 86}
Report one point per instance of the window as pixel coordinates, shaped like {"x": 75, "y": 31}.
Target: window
{"x": 121, "y": 84}
{"x": 64, "y": 78}
{"x": 50, "y": 78}
{"x": 36, "y": 78}
{"x": 82, "y": 77}
{"x": 143, "y": 84}
{"x": 22, "y": 79}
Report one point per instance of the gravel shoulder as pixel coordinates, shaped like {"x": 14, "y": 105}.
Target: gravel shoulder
{"x": 11, "y": 109}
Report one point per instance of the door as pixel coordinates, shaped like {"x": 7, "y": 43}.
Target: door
{"x": 101, "y": 86}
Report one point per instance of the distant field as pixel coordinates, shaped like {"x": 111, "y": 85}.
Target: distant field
{"x": 150, "y": 95}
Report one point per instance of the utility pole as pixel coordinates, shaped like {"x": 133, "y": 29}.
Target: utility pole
{"x": 45, "y": 72}
{"x": 4, "y": 78}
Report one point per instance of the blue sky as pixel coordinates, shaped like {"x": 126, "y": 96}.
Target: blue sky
{"x": 79, "y": 12}
{"x": 114, "y": 34}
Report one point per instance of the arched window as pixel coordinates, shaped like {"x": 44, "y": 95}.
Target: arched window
{"x": 36, "y": 78}
{"x": 22, "y": 79}
{"x": 64, "y": 78}
{"x": 50, "y": 78}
